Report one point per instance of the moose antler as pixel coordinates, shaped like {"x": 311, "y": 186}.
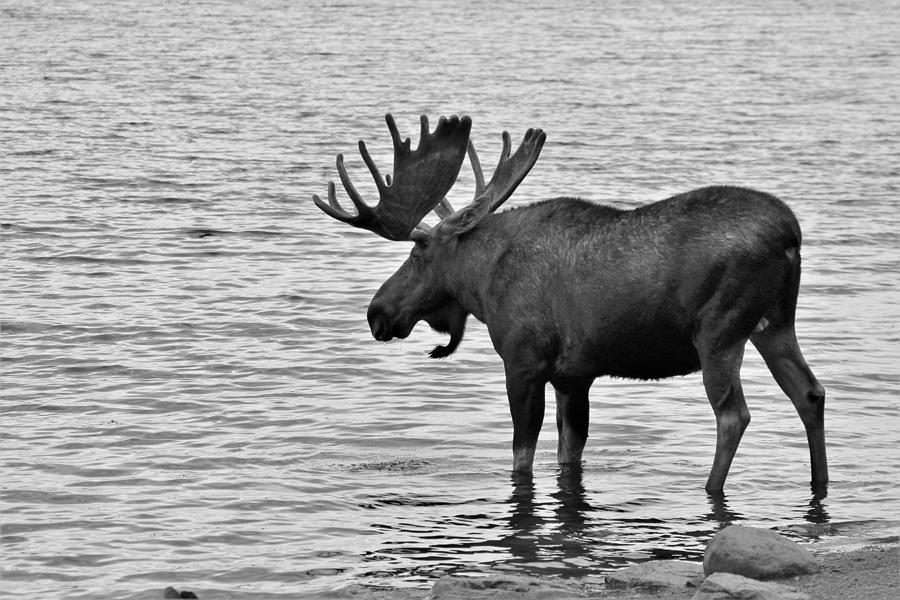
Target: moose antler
{"x": 423, "y": 177}
{"x": 420, "y": 181}
{"x": 511, "y": 169}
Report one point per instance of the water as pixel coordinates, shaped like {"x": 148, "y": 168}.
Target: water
{"x": 191, "y": 396}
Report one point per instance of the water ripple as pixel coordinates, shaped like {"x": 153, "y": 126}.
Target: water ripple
{"x": 191, "y": 395}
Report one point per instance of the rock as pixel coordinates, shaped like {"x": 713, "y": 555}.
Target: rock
{"x": 499, "y": 587}
{"x": 356, "y": 591}
{"x": 657, "y": 575}
{"x": 727, "y": 586}
{"x": 171, "y": 592}
{"x": 756, "y": 553}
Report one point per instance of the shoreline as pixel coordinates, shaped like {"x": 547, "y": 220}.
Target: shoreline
{"x": 856, "y": 572}
{"x": 865, "y": 569}
{"x": 871, "y": 572}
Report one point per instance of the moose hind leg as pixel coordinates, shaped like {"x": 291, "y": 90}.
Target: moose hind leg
{"x": 721, "y": 378}
{"x": 572, "y": 418}
{"x": 780, "y": 350}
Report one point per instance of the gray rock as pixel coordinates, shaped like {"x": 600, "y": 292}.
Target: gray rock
{"x": 499, "y": 587}
{"x": 171, "y": 592}
{"x": 657, "y": 575}
{"x": 756, "y": 553}
{"x": 727, "y": 586}
{"x": 356, "y": 591}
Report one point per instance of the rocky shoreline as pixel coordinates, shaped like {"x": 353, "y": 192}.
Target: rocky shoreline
{"x": 740, "y": 562}
{"x": 866, "y": 573}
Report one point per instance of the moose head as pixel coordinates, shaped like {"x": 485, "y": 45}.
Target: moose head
{"x": 420, "y": 289}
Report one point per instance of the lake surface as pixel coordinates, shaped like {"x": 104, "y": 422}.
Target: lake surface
{"x": 190, "y": 392}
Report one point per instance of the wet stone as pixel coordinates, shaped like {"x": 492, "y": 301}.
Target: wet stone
{"x": 756, "y": 553}
{"x": 499, "y": 587}
{"x": 728, "y": 586}
{"x": 657, "y": 575}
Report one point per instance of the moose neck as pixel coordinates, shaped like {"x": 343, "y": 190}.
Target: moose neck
{"x": 472, "y": 262}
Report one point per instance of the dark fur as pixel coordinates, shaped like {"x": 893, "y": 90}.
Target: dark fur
{"x": 571, "y": 290}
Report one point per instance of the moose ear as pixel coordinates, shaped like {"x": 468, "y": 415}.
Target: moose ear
{"x": 466, "y": 219}
{"x": 420, "y": 237}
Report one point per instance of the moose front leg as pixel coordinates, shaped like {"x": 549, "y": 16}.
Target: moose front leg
{"x": 572, "y": 418}
{"x": 721, "y": 378}
{"x": 526, "y": 404}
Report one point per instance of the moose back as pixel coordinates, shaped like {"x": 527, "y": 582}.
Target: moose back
{"x": 570, "y": 290}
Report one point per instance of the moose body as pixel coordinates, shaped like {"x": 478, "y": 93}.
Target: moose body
{"x": 577, "y": 289}
{"x": 571, "y": 290}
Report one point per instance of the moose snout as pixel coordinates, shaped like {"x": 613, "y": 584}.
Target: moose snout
{"x": 379, "y": 323}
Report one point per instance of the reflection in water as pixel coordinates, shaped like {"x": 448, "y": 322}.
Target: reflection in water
{"x": 719, "y": 511}
{"x": 568, "y": 534}
{"x": 524, "y": 522}
{"x": 572, "y": 504}
{"x": 723, "y": 515}
{"x": 817, "y": 512}
{"x": 537, "y": 533}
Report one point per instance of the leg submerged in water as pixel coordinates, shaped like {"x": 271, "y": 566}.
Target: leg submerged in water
{"x": 572, "y": 418}
{"x": 780, "y": 350}
{"x": 721, "y": 378}
{"x": 526, "y": 404}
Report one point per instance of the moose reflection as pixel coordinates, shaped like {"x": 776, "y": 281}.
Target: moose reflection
{"x": 571, "y": 290}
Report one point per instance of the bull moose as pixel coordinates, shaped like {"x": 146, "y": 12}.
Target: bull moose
{"x": 571, "y": 290}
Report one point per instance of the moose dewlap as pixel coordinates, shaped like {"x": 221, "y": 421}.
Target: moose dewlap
{"x": 570, "y": 290}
